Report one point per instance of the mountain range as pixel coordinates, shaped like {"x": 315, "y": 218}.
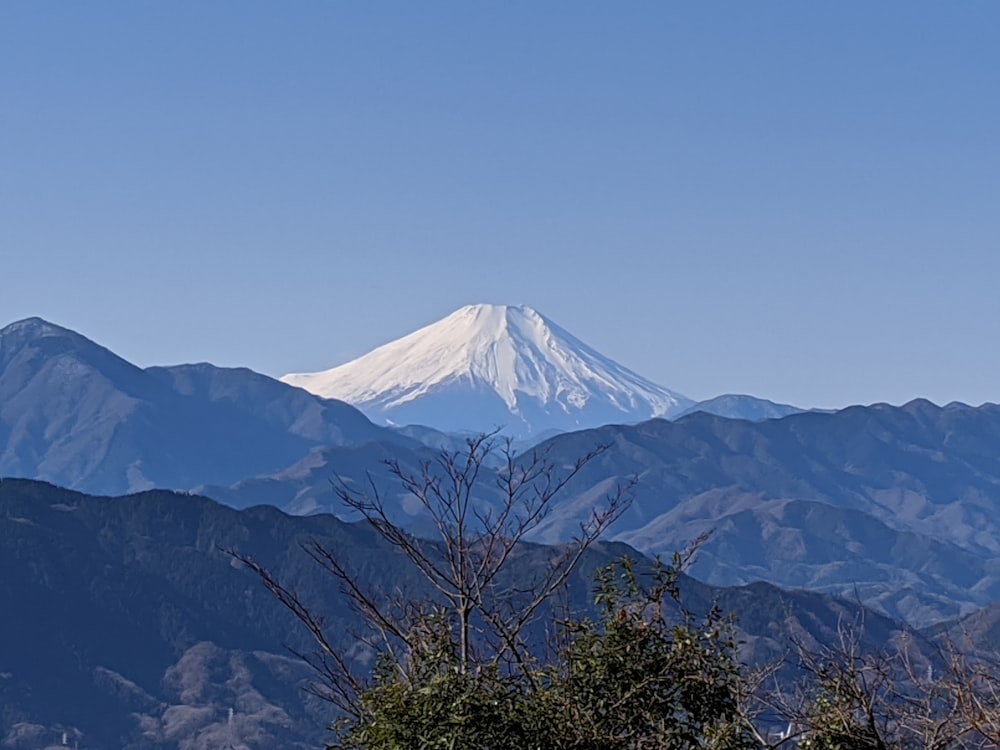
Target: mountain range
{"x": 127, "y": 626}
{"x": 74, "y": 413}
{"x": 134, "y": 629}
{"x": 897, "y": 504}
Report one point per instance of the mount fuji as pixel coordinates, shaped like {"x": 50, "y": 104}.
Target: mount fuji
{"x": 485, "y": 366}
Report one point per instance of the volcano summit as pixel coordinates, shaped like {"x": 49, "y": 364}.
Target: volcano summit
{"x": 493, "y": 365}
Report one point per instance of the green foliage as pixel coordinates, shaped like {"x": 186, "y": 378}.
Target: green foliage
{"x": 644, "y": 674}
{"x": 442, "y": 708}
{"x": 648, "y": 673}
{"x": 431, "y": 702}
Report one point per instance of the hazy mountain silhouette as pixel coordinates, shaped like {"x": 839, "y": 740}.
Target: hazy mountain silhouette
{"x": 898, "y": 504}
{"x": 76, "y": 414}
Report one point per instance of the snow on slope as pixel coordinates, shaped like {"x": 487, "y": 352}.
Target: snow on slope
{"x": 488, "y": 365}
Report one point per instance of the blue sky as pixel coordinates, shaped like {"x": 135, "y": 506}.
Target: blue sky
{"x": 794, "y": 199}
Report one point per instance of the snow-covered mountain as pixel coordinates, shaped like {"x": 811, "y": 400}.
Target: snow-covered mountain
{"x": 493, "y": 365}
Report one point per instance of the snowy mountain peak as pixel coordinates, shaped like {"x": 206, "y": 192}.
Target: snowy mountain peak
{"x": 485, "y": 365}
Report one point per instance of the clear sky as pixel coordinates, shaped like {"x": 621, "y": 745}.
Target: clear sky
{"x": 799, "y": 200}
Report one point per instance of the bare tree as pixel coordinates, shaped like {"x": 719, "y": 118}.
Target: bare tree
{"x": 904, "y": 696}
{"x": 483, "y": 502}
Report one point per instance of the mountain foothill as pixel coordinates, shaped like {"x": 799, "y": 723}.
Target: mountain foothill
{"x": 122, "y": 487}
